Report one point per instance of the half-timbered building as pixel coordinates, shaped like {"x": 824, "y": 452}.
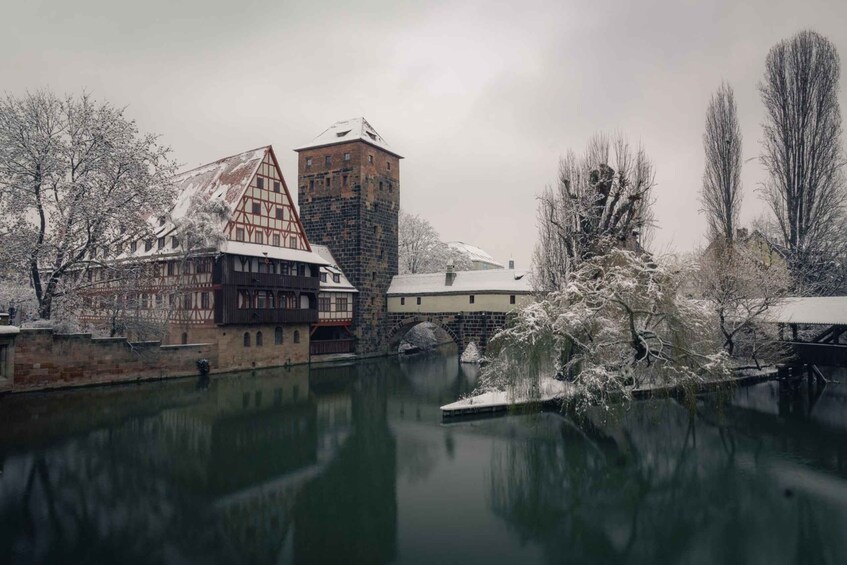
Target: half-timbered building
{"x": 252, "y": 287}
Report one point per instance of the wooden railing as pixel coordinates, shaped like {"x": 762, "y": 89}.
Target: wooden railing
{"x": 273, "y": 281}
{"x": 270, "y": 316}
{"x": 332, "y": 346}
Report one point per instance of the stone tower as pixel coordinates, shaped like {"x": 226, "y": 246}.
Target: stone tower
{"x": 349, "y": 196}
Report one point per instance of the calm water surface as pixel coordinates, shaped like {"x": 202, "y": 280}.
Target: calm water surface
{"x": 353, "y": 465}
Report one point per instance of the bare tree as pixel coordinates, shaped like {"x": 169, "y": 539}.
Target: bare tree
{"x": 802, "y": 151}
{"x": 421, "y": 250}
{"x": 75, "y": 176}
{"x": 602, "y": 200}
{"x": 721, "y": 195}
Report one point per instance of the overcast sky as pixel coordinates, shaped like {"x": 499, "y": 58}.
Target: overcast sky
{"x": 480, "y": 97}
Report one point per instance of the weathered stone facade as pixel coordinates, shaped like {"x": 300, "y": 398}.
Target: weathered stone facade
{"x": 463, "y": 327}
{"x": 349, "y": 199}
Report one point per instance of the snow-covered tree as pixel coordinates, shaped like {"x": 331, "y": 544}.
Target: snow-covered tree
{"x": 740, "y": 281}
{"x": 602, "y": 200}
{"x": 76, "y": 177}
{"x": 421, "y": 250}
{"x": 620, "y": 321}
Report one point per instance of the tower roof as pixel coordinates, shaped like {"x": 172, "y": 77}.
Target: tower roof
{"x": 345, "y": 131}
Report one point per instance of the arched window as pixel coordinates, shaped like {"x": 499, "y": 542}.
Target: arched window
{"x": 258, "y": 339}
{"x": 184, "y": 339}
{"x": 278, "y": 336}
{"x": 296, "y": 336}
{"x": 246, "y": 339}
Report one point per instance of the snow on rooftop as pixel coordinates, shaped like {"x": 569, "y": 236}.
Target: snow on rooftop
{"x": 329, "y": 284}
{"x": 355, "y": 129}
{"x": 271, "y": 252}
{"x": 824, "y": 310}
{"x": 494, "y": 280}
{"x": 474, "y": 252}
{"x": 224, "y": 179}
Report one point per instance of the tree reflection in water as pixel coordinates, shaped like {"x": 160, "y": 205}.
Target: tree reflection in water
{"x": 655, "y": 484}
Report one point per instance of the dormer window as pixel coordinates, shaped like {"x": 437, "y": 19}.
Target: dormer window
{"x": 148, "y": 245}
{"x": 371, "y": 135}
{"x": 174, "y": 242}
{"x": 336, "y": 278}
{"x": 133, "y": 246}
{"x": 342, "y": 133}
{"x": 161, "y": 243}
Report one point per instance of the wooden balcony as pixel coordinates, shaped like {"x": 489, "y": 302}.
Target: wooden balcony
{"x": 267, "y": 280}
{"x": 269, "y": 316}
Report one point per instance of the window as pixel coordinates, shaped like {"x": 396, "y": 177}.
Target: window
{"x": 133, "y": 246}
{"x": 204, "y": 300}
{"x": 202, "y": 266}
{"x": 292, "y": 242}
{"x": 328, "y": 161}
{"x": 239, "y": 234}
{"x": 388, "y": 165}
{"x": 161, "y": 243}
{"x": 276, "y": 186}
{"x": 260, "y": 183}
{"x": 246, "y": 339}
{"x": 390, "y": 187}
{"x": 279, "y": 213}
{"x": 472, "y": 298}
{"x": 158, "y": 301}
{"x": 258, "y": 344}
{"x": 308, "y": 162}
{"x": 341, "y": 304}
{"x": 419, "y": 300}
{"x": 311, "y": 184}
{"x": 174, "y": 242}
{"x": 145, "y": 301}
{"x": 512, "y": 299}
{"x": 244, "y": 300}
{"x": 343, "y": 180}
{"x": 323, "y": 277}
{"x": 186, "y": 301}
{"x": 262, "y": 300}
{"x": 328, "y": 182}
{"x": 336, "y": 278}
{"x": 258, "y": 237}
{"x": 296, "y": 336}
{"x": 275, "y": 240}
{"x": 324, "y": 304}
{"x": 257, "y": 208}
{"x": 380, "y": 186}
{"x": 402, "y": 301}
{"x": 184, "y": 338}
{"x": 278, "y": 336}
{"x": 346, "y": 156}
{"x": 370, "y": 159}
{"x": 148, "y": 245}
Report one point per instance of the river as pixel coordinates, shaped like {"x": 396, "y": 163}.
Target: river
{"x": 353, "y": 464}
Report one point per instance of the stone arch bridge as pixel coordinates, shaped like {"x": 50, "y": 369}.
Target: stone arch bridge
{"x": 462, "y": 327}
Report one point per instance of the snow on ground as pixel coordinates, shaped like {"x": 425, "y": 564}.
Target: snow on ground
{"x": 470, "y": 354}
{"x": 549, "y": 389}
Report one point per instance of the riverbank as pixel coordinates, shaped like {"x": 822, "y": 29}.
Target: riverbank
{"x": 553, "y": 394}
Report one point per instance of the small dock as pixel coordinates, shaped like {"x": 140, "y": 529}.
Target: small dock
{"x": 553, "y": 393}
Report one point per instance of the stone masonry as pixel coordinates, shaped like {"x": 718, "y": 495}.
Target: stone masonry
{"x": 463, "y": 327}
{"x": 352, "y": 206}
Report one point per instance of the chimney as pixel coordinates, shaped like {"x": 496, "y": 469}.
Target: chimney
{"x": 451, "y": 275}
{"x": 511, "y": 264}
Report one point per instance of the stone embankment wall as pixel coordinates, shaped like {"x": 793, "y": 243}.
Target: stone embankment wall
{"x": 46, "y": 360}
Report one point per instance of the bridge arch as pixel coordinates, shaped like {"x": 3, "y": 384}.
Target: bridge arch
{"x": 400, "y": 325}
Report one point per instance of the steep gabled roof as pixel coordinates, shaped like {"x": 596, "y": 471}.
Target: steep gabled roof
{"x": 343, "y": 285}
{"x": 474, "y": 253}
{"x": 355, "y": 129}
{"x": 465, "y": 282}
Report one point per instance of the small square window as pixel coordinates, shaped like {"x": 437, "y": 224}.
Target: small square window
{"x": 279, "y": 213}
{"x": 275, "y": 240}
{"x": 402, "y": 301}
{"x": 148, "y": 245}
{"x": 336, "y": 278}
{"x": 276, "y": 186}
{"x": 260, "y": 182}
{"x": 472, "y": 298}
{"x": 346, "y": 156}
{"x": 257, "y": 208}
{"x": 239, "y": 234}
{"x": 170, "y": 268}
{"x": 328, "y": 161}
{"x": 370, "y": 159}
{"x": 204, "y": 300}
{"x": 328, "y": 182}
{"x": 344, "y": 180}
{"x": 419, "y": 300}
{"x": 161, "y": 243}
{"x": 174, "y": 242}
{"x": 258, "y": 238}
{"x": 388, "y": 165}
{"x": 512, "y": 299}
{"x": 133, "y": 246}
{"x": 311, "y": 184}
{"x": 292, "y": 242}
{"x": 323, "y": 277}
{"x": 308, "y": 162}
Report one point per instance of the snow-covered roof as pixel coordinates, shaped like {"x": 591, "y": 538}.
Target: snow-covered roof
{"x": 355, "y": 129}
{"x": 272, "y": 252}
{"x": 823, "y": 310}
{"x": 343, "y": 285}
{"x": 494, "y": 280}
{"x": 474, "y": 252}
{"x": 225, "y": 179}
{"x": 9, "y": 330}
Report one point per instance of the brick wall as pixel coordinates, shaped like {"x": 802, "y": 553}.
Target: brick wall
{"x": 47, "y": 360}
{"x": 358, "y": 222}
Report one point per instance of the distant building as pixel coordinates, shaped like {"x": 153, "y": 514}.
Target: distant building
{"x": 480, "y": 260}
{"x": 349, "y": 196}
{"x": 332, "y": 334}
